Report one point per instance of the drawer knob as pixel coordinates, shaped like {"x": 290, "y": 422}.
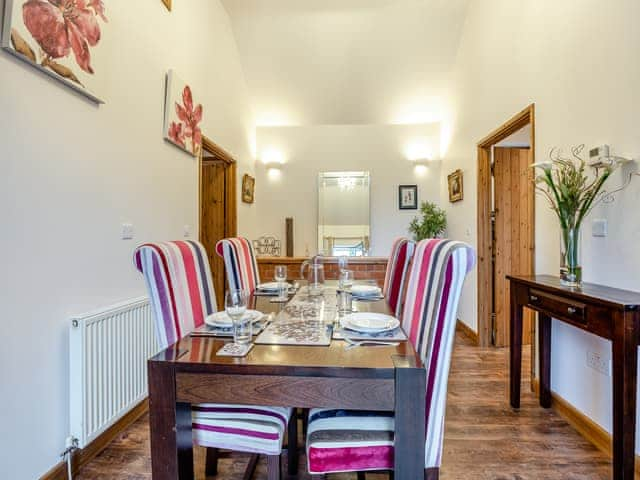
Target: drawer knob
{"x": 571, "y": 310}
{"x": 534, "y": 298}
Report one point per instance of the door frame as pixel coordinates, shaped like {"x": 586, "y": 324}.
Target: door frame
{"x": 485, "y": 275}
{"x": 230, "y": 201}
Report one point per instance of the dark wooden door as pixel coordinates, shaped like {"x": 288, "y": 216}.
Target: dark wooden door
{"x": 213, "y": 221}
{"x": 513, "y": 233}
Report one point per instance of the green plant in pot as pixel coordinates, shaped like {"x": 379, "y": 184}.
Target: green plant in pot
{"x": 431, "y": 223}
{"x": 572, "y": 195}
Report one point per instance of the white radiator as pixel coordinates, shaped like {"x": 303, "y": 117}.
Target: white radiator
{"x": 109, "y": 349}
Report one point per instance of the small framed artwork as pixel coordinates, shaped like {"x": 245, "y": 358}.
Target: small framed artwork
{"x": 408, "y": 197}
{"x": 248, "y": 186}
{"x": 456, "y": 190}
{"x": 167, "y": 3}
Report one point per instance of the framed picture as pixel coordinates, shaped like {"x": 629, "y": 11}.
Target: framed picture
{"x": 68, "y": 44}
{"x": 182, "y": 116}
{"x": 167, "y": 3}
{"x": 248, "y": 185}
{"x": 408, "y": 197}
{"x": 456, "y": 190}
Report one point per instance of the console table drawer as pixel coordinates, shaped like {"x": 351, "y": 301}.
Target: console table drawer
{"x": 559, "y": 307}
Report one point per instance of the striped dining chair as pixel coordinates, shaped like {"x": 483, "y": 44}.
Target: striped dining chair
{"x": 359, "y": 441}
{"x": 240, "y": 263}
{"x": 397, "y": 272}
{"x": 181, "y": 293}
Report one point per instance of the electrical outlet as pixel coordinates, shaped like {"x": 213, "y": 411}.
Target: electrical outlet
{"x": 599, "y": 227}
{"x": 127, "y": 231}
{"x": 599, "y": 363}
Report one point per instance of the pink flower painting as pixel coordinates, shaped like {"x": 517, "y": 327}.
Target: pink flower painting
{"x": 182, "y": 116}
{"x": 59, "y": 36}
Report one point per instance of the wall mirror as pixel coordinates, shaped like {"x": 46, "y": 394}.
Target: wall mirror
{"x": 343, "y": 214}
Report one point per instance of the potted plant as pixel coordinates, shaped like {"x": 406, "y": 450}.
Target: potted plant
{"x": 572, "y": 195}
{"x": 432, "y": 224}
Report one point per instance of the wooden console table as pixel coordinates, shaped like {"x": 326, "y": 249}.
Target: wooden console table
{"x": 607, "y": 312}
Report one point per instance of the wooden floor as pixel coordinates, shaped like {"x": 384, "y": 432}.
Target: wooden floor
{"x": 485, "y": 438}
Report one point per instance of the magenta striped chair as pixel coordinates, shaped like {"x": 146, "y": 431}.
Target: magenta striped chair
{"x": 240, "y": 263}
{"x": 359, "y": 441}
{"x": 397, "y": 272}
{"x": 181, "y": 293}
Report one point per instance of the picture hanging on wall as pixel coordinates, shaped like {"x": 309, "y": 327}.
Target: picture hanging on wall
{"x": 456, "y": 192}
{"x": 408, "y": 197}
{"x": 167, "y": 3}
{"x": 248, "y": 186}
{"x": 182, "y": 116}
{"x": 65, "y": 43}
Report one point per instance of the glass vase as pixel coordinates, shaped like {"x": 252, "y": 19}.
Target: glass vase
{"x": 570, "y": 257}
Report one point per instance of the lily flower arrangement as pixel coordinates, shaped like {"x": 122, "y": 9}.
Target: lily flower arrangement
{"x": 572, "y": 195}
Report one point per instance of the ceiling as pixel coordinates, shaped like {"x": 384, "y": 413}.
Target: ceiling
{"x": 315, "y": 62}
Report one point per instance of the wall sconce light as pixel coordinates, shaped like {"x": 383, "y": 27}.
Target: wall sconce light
{"x": 272, "y": 159}
{"x": 421, "y": 162}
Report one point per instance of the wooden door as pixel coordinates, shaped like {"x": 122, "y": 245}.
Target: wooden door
{"x": 213, "y": 220}
{"x": 513, "y": 233}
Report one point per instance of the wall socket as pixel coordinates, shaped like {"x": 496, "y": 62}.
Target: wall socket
{"x": 127, "y": 231}
{"x": 599, "y": 363}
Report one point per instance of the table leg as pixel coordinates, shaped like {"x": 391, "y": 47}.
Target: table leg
{"x": 162, "y": 421}
{"x": 515, "y": 348}
{"x": 410, "y": 404}
{"x": 625, "y": 347}
{"x": 544, "y": 358}
{"x": 184, "y": 441}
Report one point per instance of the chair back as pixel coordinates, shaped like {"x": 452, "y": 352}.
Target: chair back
{"x": 397, "y": 272}
{"x": 180, "y": 286}
{"x": 430, "y": 313}
{"x": 240, "y": 263}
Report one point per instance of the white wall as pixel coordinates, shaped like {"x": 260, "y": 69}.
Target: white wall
{"x": 72, "y": 173}
{"x": 578, "y": 61}
{"x": 378, "y": 149}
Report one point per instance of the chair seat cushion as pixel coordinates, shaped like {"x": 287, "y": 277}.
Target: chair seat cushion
{"x": 349, "y": 440}
{"x": 245, "y": 428}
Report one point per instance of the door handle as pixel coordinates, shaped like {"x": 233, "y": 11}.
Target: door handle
{"x": 533, "y": 298}
{"x": 571, "y": 310}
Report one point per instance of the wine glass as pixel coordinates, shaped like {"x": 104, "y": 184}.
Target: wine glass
{"x": 235, "y": 304}
{"x": 280, "y": 276}
{"x": 343, "y": 263}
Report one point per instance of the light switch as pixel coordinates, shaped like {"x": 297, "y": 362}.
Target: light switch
{"x": 187, "y": 231}
{"x": 127, "y": 231}
{"x": 599, "y": 227}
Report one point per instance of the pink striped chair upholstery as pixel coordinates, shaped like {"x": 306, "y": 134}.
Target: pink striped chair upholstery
{"x": 397, "y": 272}
{"x": 353, "y": 440}
{"x": 240, "y": 263}
{"x": 181, "y": 292}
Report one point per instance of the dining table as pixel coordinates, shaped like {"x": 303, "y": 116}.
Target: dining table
{"x": 370, "y": 377}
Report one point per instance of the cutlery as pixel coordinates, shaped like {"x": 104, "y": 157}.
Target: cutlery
{"x": 353, "y": 343}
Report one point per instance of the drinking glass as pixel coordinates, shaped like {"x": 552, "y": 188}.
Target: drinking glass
{"x": 280, "y": 276}
{"x": 346, "y": 280}
{"x": 345, "y": 305}
{"x": 343, "y": 263}
{"x": 236, "y": 305}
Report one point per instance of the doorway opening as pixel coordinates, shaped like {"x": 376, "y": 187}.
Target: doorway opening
{"x": 217, "y": 199}
{"x": 506, "y": 223}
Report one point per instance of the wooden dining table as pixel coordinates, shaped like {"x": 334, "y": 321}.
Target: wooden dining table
{"x": 383, "y": 378}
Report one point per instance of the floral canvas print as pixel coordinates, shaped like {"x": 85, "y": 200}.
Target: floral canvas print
{"x": 63, "y": 38}
{"x": 182, "y": 116}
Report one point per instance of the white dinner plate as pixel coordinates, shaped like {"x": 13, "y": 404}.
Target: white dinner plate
{"x": 369, "y": 322}
{"x": 270, "y": 286}
{"x": 221, "y": 319}
{"x": 366, "y": 291}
